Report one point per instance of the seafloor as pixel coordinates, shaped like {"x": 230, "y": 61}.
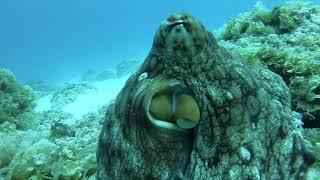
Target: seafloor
{"x": 50, "y": 131}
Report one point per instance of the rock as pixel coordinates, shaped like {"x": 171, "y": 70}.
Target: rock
{"x": 105, "y": 75}
{"x": 126, "y": 67}
{"x": 313, "y": 136}
{"x": 93, "y": 76}
{"x": 37, "y": 158}
{"x": 41, "y": 87}
{"x": 286, "y": 40}
{"x": 59, "y": 130}
{"x": 68, "y": 94}
{"x": 15, "y": 98}
{"x": 306, "y": 98}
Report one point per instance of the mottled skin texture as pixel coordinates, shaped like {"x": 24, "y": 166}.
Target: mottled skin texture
{"x": 246, "y": 130}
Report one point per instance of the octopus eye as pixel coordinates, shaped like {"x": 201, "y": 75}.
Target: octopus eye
{"x": 160, "y": 107}
{"x": 173, "y": 107}
{"x": 187, "y": 112}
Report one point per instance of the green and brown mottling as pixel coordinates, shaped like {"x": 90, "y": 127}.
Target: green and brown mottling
{"x": 246, "y": 128}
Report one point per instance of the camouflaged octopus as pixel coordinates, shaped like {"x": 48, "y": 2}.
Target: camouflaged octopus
{"x": 195, "y": 111}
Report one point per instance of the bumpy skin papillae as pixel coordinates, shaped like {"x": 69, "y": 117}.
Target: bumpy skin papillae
{"x": 246, "y": 129}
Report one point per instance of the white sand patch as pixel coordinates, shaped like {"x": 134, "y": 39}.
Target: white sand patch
{"x": 44, "y": 103}
{"x": 102, "y": 93}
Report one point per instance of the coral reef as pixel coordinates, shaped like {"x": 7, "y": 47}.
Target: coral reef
{"x": 34, "y": 162}
{"x": 59, "y": 130}
{"x": 287, "y": 41}
{"x": 48, "y": 151}
{"x": 93, "y": 76}
{"x": 246, "y": 128}
{"x": 313, "y": 136}
{"x": 8, "y": 149}
{"x": 17, "y": 100}
{"x": 50, "y": 144}
{"x": 306, "y": 98}
{"x": 42, "y": 88}
{"x": 126, "y": 67}
{"x": 13, "y": 143}
{"x": 68, "y": 94}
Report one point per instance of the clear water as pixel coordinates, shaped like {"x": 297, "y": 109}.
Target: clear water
{"x": 56, "y": 40}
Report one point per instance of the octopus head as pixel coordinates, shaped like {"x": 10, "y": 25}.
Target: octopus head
{"x": 180, "y": 33}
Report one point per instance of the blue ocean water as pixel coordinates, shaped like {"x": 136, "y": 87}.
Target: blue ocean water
{"x": 56, "y": 40}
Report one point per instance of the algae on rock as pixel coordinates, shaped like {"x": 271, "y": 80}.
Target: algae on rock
{"x": 287, "y": 41}
{"x": 16, "y": 100}
{"x": 313, "y": 136}
{"x": 68, "y": 94}
{"x": 37, "y": 145}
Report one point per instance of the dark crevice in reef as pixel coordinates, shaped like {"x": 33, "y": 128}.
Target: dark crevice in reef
{"x": 311, "y": 123}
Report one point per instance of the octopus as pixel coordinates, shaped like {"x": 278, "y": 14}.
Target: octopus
{"x": 193, "y": 110}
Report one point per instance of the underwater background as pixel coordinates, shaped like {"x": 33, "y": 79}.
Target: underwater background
{"x": 63, "y": 62}
{"x": 65, "y": 38}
